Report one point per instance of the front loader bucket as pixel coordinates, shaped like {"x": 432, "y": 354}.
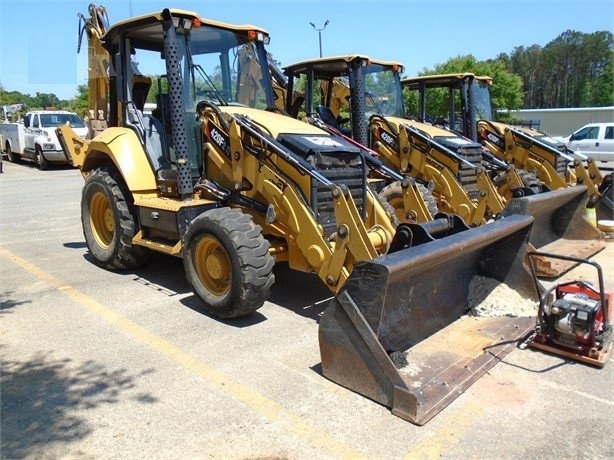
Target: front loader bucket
{"x": 411, "y": 305}
{"x": 560, "y": 227}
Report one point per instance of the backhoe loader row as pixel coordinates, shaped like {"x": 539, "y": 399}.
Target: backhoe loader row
{"x": 216, "y": 177}
{"x": 469, "y": 112}
{"x": 461, "y": 178}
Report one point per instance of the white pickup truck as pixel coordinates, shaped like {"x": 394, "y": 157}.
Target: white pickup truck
{"x": 595, "y": 140}
{"x": 34, "y": 138}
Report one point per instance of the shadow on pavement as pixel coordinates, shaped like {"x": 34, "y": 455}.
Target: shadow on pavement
{"x": 43, "y": 399}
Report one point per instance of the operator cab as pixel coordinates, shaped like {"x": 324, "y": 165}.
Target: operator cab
{"x": 331, "y": 82}
{"x": 453, "y": 101}
{"x": 206, "y": 60}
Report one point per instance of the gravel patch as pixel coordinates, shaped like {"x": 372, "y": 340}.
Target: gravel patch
{"x": 489, "y": 298}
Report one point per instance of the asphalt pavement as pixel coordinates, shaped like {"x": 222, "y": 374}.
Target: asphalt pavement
{"x": 114, "y": 365}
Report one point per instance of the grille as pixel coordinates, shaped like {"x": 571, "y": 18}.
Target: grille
{"x": 354, "y": 178}
{"x": 561, "y": 165}
{"x": 467, "y": 175}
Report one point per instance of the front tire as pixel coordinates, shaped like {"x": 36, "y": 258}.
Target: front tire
{"x": 109, "y": 221}
{"x": 42, "y": 162}
{"x": 393, "y": 195}
{"x": 227, "y": 262}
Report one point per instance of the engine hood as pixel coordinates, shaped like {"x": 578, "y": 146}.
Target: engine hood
{"x": 276, "y": 123}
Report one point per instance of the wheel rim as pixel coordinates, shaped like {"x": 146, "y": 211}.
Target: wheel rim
{"x": 102, "y": 219}
{"x": 212, "y": 265}
{"x": 396, "y": 201}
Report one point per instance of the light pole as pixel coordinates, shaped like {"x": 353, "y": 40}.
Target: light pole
{"x": 319, "y": 33}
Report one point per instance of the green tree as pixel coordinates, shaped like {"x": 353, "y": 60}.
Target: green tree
{"x": 573, "y": 70}
{"x": 43, "y": 100}
{"x": 80, "y": 103}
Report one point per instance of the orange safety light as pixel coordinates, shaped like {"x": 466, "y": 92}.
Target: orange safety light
{"x": 196, "y": 22}
{"x": 251, "y": 34}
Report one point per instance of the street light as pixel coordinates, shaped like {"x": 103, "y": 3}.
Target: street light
{"x": 319, "y": 33}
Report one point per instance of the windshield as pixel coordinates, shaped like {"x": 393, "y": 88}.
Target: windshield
{"x": 481, "y": 97}
{"x": 227, "y": 68}
{"x": 383, "y": 91}
{"x": 51, "y": 120}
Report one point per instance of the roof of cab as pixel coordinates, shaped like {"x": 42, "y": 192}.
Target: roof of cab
{"x": 336, "y": 65}
{"x": 146, "y": 31}
{"x": 442, "y": 80}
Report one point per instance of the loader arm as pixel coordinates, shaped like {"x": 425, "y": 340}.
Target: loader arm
{"x": 264, "y": 165}
{"x": 73, "y": 146}
{"x": 512, "y": 147}
{"x": 536, "y": 158}
{"x": 409, "y": 152}
{"x": 589, "y": 176}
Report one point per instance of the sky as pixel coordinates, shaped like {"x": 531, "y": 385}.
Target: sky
{"x": 38, "y": 38}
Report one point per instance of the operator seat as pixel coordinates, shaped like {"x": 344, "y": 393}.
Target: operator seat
{"x": 328, "y": 117}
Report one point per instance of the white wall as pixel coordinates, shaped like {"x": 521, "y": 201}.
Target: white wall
{"x": 563, "y": 122}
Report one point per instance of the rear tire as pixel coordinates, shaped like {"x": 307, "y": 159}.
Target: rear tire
{"x": 13, "y": 157}
{"x": 109, "y": 221}
{"x": 227, "y": 262}
{"x": 393, "y": 195}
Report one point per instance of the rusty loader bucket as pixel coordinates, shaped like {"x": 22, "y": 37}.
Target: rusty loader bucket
{"x": 398, "y": 332}
{"x": 559, "y": 228}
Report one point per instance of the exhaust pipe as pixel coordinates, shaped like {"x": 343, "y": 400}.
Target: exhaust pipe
{"x": 175, "y": 90}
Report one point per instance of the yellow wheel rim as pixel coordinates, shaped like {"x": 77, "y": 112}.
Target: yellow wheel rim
{"x": 212, "y": 265}
{"x": 396, "y": 201}
{"x": 102, "y": 220}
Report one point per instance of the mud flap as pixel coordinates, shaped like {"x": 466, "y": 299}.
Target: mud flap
{"x": 560, "y": 226}
{"x": 414, "y": 301}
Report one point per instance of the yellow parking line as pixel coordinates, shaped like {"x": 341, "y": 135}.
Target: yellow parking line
{"x": 253, "y": 399}
{"x": 446, "y": 435}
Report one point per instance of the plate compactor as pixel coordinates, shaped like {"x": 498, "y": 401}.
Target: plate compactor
{"x": 574, "y": 318}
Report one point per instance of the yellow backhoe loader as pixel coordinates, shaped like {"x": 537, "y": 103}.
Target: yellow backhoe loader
{"x": 233, "y": 189}
{"x": 468, "y": 109}
{"x": 452, "y": 164}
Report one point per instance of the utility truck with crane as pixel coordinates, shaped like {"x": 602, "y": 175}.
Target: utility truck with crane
{"x": 34, "y": 138}
{"x": 216, "y": 177}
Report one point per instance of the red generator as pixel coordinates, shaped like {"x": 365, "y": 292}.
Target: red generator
{"x": 574, "y": 318}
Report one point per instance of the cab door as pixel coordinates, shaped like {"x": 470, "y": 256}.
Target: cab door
{"x": 604, "y": 148}
{"x": 585, "y": 140}
{"x": 32, "y": 125}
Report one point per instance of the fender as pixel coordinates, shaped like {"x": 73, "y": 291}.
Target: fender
{"x": 122, "y": 146}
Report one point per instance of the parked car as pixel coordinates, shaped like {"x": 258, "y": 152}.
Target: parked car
{"x": 594, "y": 140}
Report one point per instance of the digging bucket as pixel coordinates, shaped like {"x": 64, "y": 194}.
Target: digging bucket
{"x": 397, "y": 332}
{"x": 559, "y": 228}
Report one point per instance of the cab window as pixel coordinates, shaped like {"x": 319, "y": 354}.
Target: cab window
{"x": 589, "y": 132}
